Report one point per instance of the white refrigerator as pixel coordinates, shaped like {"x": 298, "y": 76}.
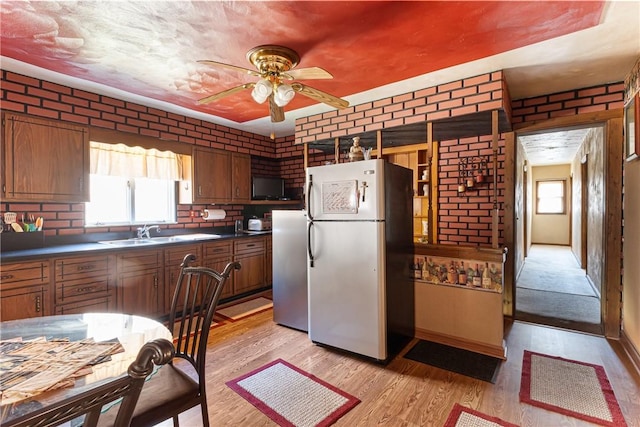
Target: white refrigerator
{"x": 289, "y": 237}
{"x": 359, "y": 247}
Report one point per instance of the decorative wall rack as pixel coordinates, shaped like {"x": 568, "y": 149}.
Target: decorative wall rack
{"x": 473, "y": 172}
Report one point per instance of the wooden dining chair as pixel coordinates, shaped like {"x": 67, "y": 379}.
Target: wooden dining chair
{"x": 90, "y": 403}
{"x": 173, "y": 389}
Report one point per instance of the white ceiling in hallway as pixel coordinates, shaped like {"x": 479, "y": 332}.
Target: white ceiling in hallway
{"x": 553, "y": 148}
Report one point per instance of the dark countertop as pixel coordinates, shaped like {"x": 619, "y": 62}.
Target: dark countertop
{"x": 91, "y": 247}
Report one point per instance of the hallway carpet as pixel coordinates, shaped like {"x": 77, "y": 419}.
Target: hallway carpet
{"x": 553, "y": 290}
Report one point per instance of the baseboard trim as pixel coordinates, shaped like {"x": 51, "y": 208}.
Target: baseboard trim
{"x": 630, "y": 351}
{"x": 476, "y": 347}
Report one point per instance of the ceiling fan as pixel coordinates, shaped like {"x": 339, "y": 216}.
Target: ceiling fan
{"x": 275, "y": 66}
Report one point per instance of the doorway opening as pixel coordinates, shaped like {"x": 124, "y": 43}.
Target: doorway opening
{"x": 559, "y": 282}
{"x": 553, "y": 290}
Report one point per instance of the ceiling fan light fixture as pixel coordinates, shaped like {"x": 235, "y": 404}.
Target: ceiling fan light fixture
{"x": 261, "y": 91}
{"x": 283, "y": 95}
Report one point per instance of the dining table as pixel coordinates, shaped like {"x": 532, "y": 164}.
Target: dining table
{"x": 130, "y": 331}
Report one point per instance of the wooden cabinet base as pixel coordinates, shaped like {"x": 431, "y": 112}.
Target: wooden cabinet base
{"x": 460, "y": 317}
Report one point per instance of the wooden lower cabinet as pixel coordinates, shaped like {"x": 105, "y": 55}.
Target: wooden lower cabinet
{"x": 268, "y": 259}
{"x": 24, "y": 290}
{"x": 84, "y": 284}
{"x": 250, "y": 253}
{"x": 217, "y": 255}
{"x": 136, "y": 281}
{"x": 173, "y": 258}
{"x": 140, "y": 284}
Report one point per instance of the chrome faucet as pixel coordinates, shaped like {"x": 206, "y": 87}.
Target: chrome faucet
{"x": 143, "y": 232}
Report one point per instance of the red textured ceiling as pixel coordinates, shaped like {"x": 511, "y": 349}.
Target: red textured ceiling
{"x": 151, "y": 48}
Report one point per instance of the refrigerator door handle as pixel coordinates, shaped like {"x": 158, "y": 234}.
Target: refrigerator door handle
{"x": 309, "y": 185}
{"x": 310, "y": 224}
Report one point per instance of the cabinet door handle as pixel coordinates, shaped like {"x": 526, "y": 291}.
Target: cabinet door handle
{"x": 199, "y": 190}
{"x": 155, "y": 281}
{"x": 38, "y": 304}
{"x": 88, "y": 289}
{"x": 86, "y": 267}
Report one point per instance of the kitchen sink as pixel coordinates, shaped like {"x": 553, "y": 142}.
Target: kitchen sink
{"x": 160, "y": 240}
{"x": 184, "y": 238}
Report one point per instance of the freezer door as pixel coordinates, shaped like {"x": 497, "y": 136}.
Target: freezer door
{"x": 346, "y": 287}
{"x": 346, "y": 191}
{"x": 289, "y": 268}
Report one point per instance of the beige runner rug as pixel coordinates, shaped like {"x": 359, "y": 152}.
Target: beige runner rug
{"x": 244, "y": 309}
{"x": 461, "y": 416}
{"x": 292, "y": 397}
{"x": 577, "y": 389}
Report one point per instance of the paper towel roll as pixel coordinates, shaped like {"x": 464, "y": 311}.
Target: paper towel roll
{"x": 211, "y": 214}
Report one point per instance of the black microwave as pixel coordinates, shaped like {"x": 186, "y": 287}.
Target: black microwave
{"x": 267, "y": 188}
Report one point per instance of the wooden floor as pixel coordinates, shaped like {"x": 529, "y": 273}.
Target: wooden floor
{"x": 403, "y": 393}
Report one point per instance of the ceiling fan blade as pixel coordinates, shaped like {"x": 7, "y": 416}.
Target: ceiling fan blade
{"x": 224, "y": 93}
{"x": 307, "y": 74}
{"x": 231, "y": 67}
{"x": 277, "y": 113}
{"x": 318, "y": 95}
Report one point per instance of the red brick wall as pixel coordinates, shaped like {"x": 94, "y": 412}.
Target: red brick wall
{"x": 22, "y": 94}
{"x": 466, "y": 218}
{"x": 462, "y": 218}
{"x": 458, "y": 98}
{"x": 569, "y": 103}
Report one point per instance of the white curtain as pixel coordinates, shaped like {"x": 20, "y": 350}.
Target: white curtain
{"x": 135, "y": 162}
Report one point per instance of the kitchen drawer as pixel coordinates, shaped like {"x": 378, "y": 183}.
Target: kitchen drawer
{"x": 24, "y": 274}
{"x": 217, "y": 249}
{"x": 83, "y": 267}
{"x": 174, "y": 256}
{"x": 81, "y": 289}
{"x": 244, "y": 246}
{"x": 139, "y": 260}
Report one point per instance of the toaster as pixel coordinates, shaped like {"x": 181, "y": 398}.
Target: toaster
{"x": 259, "y": 224}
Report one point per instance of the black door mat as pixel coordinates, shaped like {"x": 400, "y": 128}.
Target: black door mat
{"x": 464, "y": 362}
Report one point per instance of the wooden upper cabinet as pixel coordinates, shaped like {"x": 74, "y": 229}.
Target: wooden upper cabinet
{"x": 211, "y": 176}
{"x": 44, "y": 160}
{"x": 241, "y": 178}
{"x": 217, "y": 176}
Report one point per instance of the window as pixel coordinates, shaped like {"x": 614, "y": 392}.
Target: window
{"x": 119, "y": 200}
{"x": 550, "y": 197}
{"x": 132, "y": 185}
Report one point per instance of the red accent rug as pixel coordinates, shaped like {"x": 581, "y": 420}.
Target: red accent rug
{"x": 292, "y": 397}
{"x": 569, "y": 387}
{"x": 461, "y": 416}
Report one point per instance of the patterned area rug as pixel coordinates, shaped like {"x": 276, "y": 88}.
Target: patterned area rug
{"x": 292, "y": 397}
{"x": 461, "y": 416}
{"x": 573, "y": 388}
{"x": 244, "y": 309}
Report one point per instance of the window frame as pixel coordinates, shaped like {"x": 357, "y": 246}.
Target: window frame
{"x": 130, "y": 208}
{"x": 563, "y": 181}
